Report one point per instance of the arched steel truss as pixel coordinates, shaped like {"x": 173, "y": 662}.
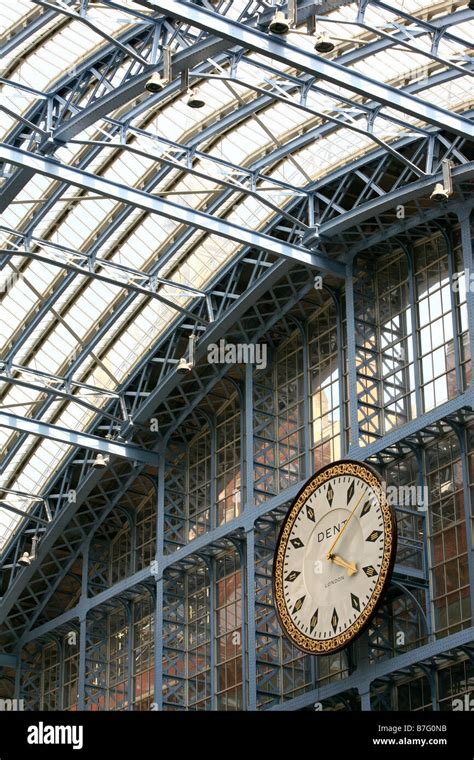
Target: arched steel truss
{"x": 355, "y": 205}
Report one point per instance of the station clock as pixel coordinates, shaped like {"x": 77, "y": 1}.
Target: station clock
{"x": 334, "y": 557}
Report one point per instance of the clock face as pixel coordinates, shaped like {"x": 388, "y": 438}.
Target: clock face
{"x": 334, "y": 557}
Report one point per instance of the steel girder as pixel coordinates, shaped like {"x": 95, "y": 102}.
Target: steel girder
{"x": 25, "y": 32}
{"x": 242, "y": 522}
{"x": 53, "y": 385}
{"x": 97, "y": 109}
{"x": 314, "y": 65}
{"x": 8, "y": 661}
{"x": 89, "y": 266}
{"x": 75, "y": 438}
{"x": 10, "y": 508}
{"x": 73, "y": 523}
{"x": 426, "y": 654}
{"x": 174, "y": 211}
{"x": 173, "y": 381}
{"x": 301, "y": 141}
{"x": 83, "y": 19}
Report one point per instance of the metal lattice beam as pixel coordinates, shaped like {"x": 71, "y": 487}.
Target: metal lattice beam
{"x": 140, "y": 199}
{"x": 242, "y": 521}
{"x": 75, "y": 438}
{"x": 362, "y": 678}
{"x": 330, "y": 71}
{"x": 102, "y": 105}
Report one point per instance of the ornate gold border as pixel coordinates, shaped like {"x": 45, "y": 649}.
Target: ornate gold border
{"x": 307, "y": 644}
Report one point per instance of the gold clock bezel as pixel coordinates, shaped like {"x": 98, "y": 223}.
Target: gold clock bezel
{"x": 338, "y": 642}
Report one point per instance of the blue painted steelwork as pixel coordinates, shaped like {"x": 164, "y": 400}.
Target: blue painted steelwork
{"x": 313, "y": 64}
{"x": 171, "y": 210}
{"x": 275, "y": 296}
{"x": 74, "y": 438}
{"x": 102, "y": 331}
{"x": 370, "y": 673}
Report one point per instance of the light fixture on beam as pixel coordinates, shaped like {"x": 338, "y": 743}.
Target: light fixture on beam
{"x": 443, "y": 190}
{"x": 100, "y": 462}
{"x": 155, "y": 83}
{"x": 195, "y": 100}
{"x": 439, "y": 193}
{"x": 28, "y": 557}
{"x": 323, "y": 43}
{"x": 185, "y": 365}
{"x": 279, "y": 24}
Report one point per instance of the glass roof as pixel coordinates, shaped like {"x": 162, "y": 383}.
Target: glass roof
{"x": 61, "y": 215}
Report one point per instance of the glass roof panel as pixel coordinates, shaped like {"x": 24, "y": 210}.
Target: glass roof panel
{"x": 12, "y": 12}
{"x": 141, "y": 239}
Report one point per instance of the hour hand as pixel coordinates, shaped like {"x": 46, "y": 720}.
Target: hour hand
{"x": 351, "y": 568}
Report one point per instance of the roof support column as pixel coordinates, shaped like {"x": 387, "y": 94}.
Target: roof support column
{"x": 158, "y": 629}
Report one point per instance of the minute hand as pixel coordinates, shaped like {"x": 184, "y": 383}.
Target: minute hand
{"x": 329, "y": 554}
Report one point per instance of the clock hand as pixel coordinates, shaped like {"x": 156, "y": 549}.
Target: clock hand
{"x": 328, "y": 555}
{"x": 351, "y": 568}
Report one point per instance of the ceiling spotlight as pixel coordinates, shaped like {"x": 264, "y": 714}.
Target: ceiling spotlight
{"x": 444, "y": 189}
{"x": 155, "y": 83}
{"x": 323, "y": 43}
{"x": 28, "y": 557}
{"x": 279, "y": 24}
{"x": 439, "y": 193}
{"x": 100, "y": 461}
{"x": 194, "y": 101}
{"x": 184, "y": 366}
